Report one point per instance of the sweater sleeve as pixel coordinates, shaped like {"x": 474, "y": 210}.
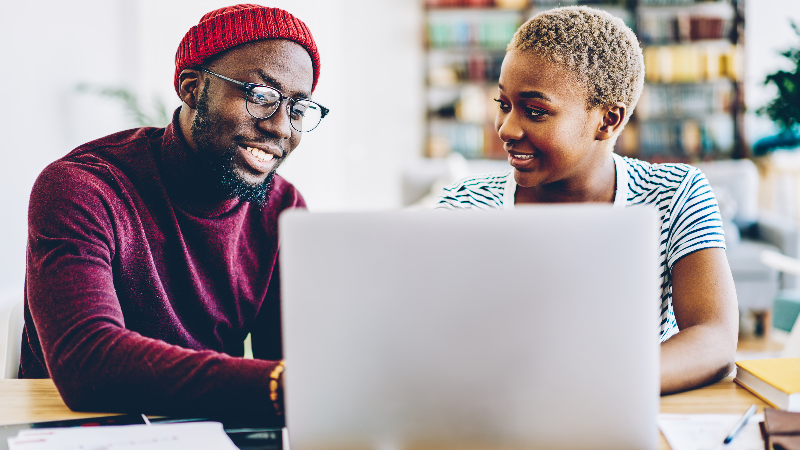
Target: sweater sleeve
{"x": 266, "y": 334}
{"x": 95, "y": 362}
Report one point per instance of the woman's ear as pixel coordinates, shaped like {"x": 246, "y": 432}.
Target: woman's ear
{"x": 188, "y": 87}
{"x": 613, "y": 118}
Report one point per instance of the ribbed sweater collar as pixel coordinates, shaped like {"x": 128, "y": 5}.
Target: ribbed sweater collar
{"x": 187, "y": 180}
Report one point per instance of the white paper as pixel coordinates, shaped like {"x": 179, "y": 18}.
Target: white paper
{"x": 179, "y": 436}
{"x": 708, "y": 431}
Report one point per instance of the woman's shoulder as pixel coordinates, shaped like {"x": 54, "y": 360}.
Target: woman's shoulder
{"x": 477, "y": 191}
{"x": 483, "y": 181}
{"x": 645, "y": 178}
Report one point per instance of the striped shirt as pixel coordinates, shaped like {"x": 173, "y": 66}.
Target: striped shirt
{"x": 690, "y": 218}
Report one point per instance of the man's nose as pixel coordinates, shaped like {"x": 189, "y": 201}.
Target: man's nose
{"x": 279, "y": 124}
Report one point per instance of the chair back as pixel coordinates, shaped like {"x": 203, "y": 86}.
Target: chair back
{"x": 11, "y": 324}
{"x": 735, "y": 183}
{"x": 790, "y": 265}
{"x": 792, "y": 347}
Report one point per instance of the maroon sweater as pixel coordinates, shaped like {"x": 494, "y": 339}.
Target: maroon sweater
{"x": 140, "y": 290}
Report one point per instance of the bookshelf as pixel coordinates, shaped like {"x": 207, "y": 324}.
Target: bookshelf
{"x": 691, "y": 108}
{"x": 465, "y": 44}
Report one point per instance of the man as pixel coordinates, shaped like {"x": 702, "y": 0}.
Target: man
{"x": 152, "y": 253}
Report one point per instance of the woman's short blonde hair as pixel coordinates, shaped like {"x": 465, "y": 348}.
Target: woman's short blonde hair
{"x": 598, "y": 48}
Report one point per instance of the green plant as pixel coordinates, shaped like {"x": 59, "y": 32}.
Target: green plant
{"x": 785, "y": 108}
{"x": 157, "y": 117}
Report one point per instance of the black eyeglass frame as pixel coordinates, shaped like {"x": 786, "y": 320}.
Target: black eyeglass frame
{"x": 250, "y": 86}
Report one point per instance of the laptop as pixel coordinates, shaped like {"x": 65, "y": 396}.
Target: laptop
{"x": 531, "y": 328}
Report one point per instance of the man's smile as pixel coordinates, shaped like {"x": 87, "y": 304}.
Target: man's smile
{"x": 260, "y": 159}
{"x": 260, "y": 154}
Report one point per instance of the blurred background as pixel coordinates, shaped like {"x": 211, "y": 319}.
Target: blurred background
{"x": 409, "y": 84}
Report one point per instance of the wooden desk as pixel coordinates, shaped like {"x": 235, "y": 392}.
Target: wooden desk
{"x": 23, "y": 401}
{"x": 38, "y": 401}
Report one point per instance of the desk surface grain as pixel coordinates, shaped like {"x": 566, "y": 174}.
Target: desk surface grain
{"x": 24, "y": 401}
{"x": 723, "y": 397}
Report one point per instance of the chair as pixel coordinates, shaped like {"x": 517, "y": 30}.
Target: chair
{"x": 423, "y": 180}
{"x": 11, "y": 323}
{"x": 749, "y": 231}
{"x": 786, "y": 264}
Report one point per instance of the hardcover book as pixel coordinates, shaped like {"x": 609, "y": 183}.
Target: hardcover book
{"x": 776, "y": 381}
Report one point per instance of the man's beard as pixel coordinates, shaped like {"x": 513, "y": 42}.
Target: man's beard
{"x": 221, "y": 164}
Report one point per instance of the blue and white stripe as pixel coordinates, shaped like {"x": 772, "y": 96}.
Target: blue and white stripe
{"x": 690, "y": 218}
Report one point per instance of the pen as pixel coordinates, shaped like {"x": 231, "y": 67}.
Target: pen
{"x": 740, "y": 424}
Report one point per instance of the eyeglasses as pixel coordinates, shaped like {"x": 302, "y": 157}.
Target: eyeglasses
{"x": 262, "y": 101}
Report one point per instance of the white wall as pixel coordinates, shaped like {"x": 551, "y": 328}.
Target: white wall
{"x": 767, "y": 33}
{"x": 46, "y": 48}
{"x": 371, "y": 79}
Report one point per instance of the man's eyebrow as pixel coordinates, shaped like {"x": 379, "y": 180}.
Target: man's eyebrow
{"x": 277, "y": 85}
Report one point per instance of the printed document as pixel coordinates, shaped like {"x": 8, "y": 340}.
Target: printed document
{"x": 707, "y": 431}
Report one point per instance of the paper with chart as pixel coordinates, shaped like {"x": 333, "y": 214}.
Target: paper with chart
{"x": 179, "y": 436}
{"x": 707, "y": 431}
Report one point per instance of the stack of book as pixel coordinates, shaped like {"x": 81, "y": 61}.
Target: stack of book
{"x": 781, "y": 430}
{"x": 776, "y": 381}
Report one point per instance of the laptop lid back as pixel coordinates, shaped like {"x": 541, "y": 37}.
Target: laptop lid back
{"x": 532, "y": 328}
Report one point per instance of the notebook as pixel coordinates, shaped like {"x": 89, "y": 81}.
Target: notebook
{"x": 776, "y": 381}
{"x": 781, "y": 429}
{"x": 532, "y": 328}
{"x": 249, "y": 436}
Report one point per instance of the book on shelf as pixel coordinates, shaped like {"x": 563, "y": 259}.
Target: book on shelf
{"x": 776, "y": 381}
{"x": 660, "y": 28}
{"x": 693, "y": 56}
{"x": 667, "y": 2}
{"x": 687, "y": 100}
{"x": 478, "y": 67}
{"x": 691, "y": 63}
{"x": 487, "y": 32}
{"x": 686, "y": 137}
{"x": 445, "y": 137}
{"x": 508, "y": 4}
{"x": 554, "y": 3}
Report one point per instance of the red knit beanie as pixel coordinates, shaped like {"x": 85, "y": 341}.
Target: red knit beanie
{"x": 228, "y": 27}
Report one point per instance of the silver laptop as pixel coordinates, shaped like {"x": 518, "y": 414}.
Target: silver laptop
{"x": 532, "y": 328}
